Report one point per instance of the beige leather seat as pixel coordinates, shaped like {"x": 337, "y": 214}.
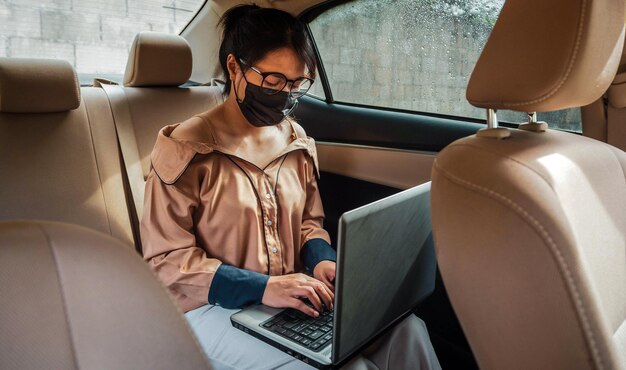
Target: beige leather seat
{"x": 152, "y": 98}
{"x": 55, "y": 149}
{"x": 157, "y": 65}
{"x": 530, "y": 230}
{"x": 605, "y": 119}
{"x": 63, "y": 308}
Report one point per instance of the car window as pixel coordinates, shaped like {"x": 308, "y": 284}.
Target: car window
{"x": 94, "y": 35}
{"x": 414, "y": 55}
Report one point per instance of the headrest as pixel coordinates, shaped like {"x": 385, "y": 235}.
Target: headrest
{"x": 549, "y": 55}
{"x": 158, "y": 59}
{"x": 37, "y": 86}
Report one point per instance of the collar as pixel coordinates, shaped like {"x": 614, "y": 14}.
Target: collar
{"x": 171, "y": 157}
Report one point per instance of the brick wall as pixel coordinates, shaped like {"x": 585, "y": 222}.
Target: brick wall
{"x": 94, "y": 35}
{"x": 407, "y": 56}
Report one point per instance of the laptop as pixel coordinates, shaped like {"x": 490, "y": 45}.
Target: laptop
{"x": 385, "y": 267}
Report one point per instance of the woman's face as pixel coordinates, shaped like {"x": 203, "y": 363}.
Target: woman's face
{"x": 283, "y": 60}
{"x": 267, "y": 105}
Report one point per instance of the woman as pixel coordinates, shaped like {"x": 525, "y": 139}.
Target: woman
{"x": 232, "y": 210}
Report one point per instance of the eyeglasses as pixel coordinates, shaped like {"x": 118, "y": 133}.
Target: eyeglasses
{"x": 274, "y": 82}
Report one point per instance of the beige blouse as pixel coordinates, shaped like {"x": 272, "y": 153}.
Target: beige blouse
{"x": 204, "y": 207}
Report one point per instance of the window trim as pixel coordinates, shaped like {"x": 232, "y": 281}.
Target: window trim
{"x": 321, "y": 71}
{"x": 180, "y": 33}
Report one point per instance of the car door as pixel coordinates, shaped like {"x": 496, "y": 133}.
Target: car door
{"x": 390, "y": 94}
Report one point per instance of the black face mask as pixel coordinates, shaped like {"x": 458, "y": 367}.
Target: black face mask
{"x": 261, "y": 109}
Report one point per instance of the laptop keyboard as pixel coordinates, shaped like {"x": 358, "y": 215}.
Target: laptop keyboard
{"x": 311, "y": 332}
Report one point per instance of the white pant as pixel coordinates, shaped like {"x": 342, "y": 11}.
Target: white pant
{"x": 407, "y": 346}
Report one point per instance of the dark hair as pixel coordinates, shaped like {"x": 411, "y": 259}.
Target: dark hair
{"x": 250, "y": 32}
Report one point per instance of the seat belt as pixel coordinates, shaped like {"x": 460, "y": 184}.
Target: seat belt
{"x": 127, "y": 146}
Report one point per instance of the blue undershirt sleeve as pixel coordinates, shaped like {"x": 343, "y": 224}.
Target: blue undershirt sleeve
{"x": 315, "y": 251}
{"x": 233, "y": 287}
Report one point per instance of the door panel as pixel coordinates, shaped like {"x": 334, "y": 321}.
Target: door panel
{"x": 398, "y": 168}
{"x": 341, "y": 194}
{"x": 343, "y": 123}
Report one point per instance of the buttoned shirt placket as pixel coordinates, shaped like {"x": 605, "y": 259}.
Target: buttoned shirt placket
{"x": 267, "y": 199}
{"x": 270, "y": 212}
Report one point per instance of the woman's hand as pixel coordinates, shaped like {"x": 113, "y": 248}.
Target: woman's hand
{"x": 324, "y": 271}
{"x": 289, "y": 290}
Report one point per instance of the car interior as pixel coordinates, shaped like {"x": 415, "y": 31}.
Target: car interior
{"x": 529, "y": 216}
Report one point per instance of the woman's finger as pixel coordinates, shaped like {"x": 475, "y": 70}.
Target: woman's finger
{"x": 330, "y": 274}
{"x": 331, "y": 292}
{"x": 312, "y": 281}
{"x": 324, "y": 293}
{"x": 327, "y": 282}
{"x": 310, "y": 293}
{"x": 302, "y": 307}
{"x": 322, "y": 290}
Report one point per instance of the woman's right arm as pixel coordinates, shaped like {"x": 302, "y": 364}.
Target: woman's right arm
{"x": 169, "y": 246}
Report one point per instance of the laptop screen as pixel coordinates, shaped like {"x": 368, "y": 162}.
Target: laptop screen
{"x": 386, "y": 266}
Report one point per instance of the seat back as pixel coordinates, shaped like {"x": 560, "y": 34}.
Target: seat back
{"x": 155, "y": 101}
{"x": 605, "y": 119}
{"x": 153, "y": 98}
{"x": 63, "y": 308}
{"x": 530, "y": 230}
{"x": 55, "y": 149}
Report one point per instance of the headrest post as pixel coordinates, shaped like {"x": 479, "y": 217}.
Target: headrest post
{"x": 532, "y": 124}
{"x": 492, "y": 118}
{"x": 492, "y": 130}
